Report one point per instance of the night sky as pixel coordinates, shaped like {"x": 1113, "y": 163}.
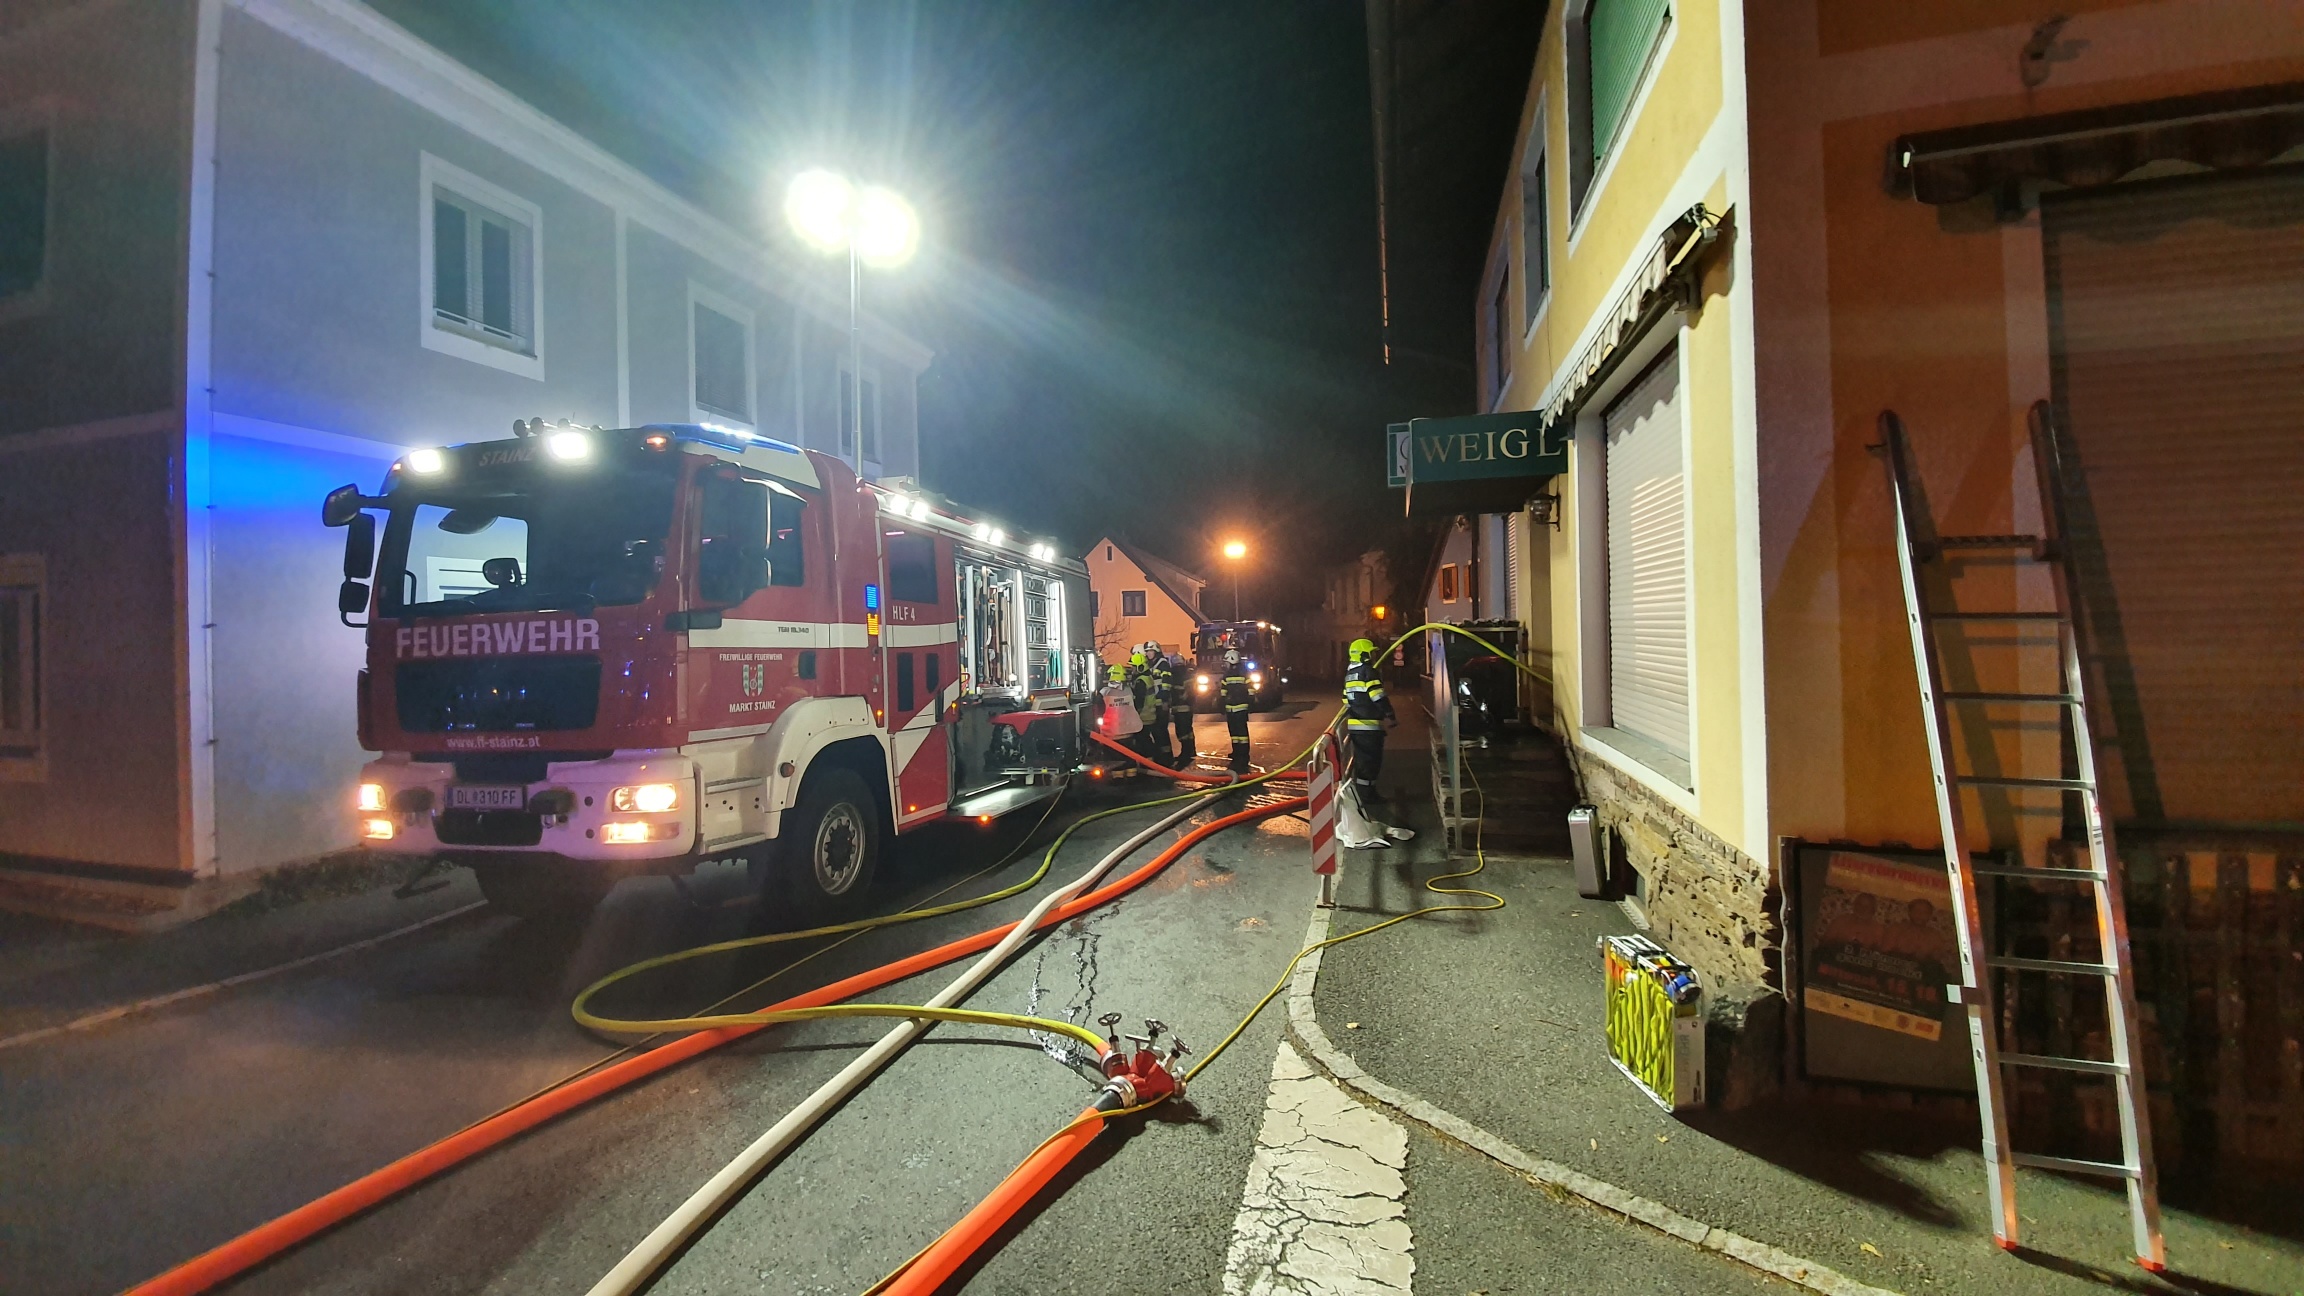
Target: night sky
{"x": 1149, "y": 267}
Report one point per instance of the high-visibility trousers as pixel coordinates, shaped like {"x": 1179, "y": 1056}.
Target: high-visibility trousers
{"x": 1236, "y": 722}
{"x": 1367, "y": 757}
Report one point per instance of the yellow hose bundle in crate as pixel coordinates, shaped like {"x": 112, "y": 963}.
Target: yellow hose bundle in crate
{"x": 1655, "y": 1020}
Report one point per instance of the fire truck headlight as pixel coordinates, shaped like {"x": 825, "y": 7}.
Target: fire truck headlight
{"x": 376, "y": 829}
{"x": 371, "y": 796}
{"x": 647, "y": 798}
{"x": 426, "y": 461}
{"x": 1255, "y": 679}
{"x": 1203, "y": 682}
{"x": 627, "y": 833}
{"x": 569, "y": 446}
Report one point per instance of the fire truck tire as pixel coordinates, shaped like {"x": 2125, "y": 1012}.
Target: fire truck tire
{"x": 540, "y": 889}
{"x": 829, "y": 847}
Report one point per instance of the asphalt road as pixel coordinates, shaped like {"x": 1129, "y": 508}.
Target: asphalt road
{"x": 130, "y": 1147}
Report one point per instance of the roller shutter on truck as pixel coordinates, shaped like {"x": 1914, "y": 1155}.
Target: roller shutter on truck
{"x": 2176, "y": 315}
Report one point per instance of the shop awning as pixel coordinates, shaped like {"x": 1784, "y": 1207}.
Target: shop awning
{"x": 2224, "y": 129}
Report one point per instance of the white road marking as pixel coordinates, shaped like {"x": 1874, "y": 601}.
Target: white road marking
{"x": 1323, "y": 1212}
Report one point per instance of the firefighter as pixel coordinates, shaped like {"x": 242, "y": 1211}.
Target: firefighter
{"x": 1367, "y": 714}
{"x": 1119, "y": 720}
{"x": 1180, "y": 711}
{"x": 1237, "y": 700}
{"x": 1151, "y": 713}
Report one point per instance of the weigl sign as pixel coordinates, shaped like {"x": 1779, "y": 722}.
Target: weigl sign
{"x": 1476, "y": 447}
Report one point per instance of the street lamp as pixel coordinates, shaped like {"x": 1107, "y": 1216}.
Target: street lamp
{"x": 874, "y": 227}
{"x": 1235, "y": 550}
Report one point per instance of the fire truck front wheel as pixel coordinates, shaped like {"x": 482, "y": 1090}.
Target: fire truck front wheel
{"x": 829, "y": 847}
{"x": 545, "y": 889}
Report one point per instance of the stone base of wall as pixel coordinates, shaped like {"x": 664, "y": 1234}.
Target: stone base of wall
{"x": 1712, "y": 905}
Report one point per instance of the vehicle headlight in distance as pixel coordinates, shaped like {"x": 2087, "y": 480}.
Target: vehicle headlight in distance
{"x": 1203, "y": 683}
{"x": 646, "y": 798}
{"x": 371, "y": 796}
{"x": 1255, "y": 679}
{"x": 376, "y": 829}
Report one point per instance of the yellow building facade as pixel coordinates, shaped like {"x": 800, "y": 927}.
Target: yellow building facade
{"x": 1732, "y": 236}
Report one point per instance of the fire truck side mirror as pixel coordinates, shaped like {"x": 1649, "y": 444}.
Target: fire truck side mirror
{"x": 359, "y": 547}
{"x": 351, "y": 597}
{"x": 342, "y": 505}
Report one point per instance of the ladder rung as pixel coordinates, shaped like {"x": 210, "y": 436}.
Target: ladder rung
{"x": 2074, "y": 1165}
{"x": 2060, "y": 699}
{"x": 2048, "y": 965}
{"x": 2039, "y": 874}
{"x": 2090, "y": 1065}
{"x": 1982, "y": 780}
{"x": 1998, "y": 616}
{"x": 1987, "y": 541}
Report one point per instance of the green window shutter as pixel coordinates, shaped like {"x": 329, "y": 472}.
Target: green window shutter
{"x": 1619, "y": 34}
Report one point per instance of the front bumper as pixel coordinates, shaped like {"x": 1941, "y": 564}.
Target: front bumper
{"x": 567, "y": 814}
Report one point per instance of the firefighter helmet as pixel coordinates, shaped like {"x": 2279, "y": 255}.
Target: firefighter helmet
{"x": 1136, "y": 658}
{"x": 1231, "y": 656}
{"x": 1116, "y": 673}
{"x": 1361, "y": 650}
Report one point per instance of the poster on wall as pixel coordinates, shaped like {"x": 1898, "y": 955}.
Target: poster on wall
{"x": 1877, "y": 949}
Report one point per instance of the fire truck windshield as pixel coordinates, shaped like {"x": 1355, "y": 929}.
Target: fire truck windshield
{"x": 524, "y": 542}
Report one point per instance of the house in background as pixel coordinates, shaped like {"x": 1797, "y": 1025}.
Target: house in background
{"x": 1355, "y": 602}
{"x": 1136, "y": 597}
{"x": 252, "y": 250}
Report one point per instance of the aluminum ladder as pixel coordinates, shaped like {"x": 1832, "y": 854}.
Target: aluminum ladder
{"x": 1919, "y": 546}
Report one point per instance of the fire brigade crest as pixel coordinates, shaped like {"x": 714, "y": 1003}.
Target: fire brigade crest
{"x": 755, "y": 680}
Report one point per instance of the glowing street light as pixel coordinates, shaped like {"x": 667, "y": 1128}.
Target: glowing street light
{"x": 875, "y": 227}
{"x": 1235, "y": 550}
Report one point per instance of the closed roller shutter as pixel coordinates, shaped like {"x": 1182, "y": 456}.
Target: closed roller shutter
{"x": 2177, "y": 318}
{"x": 1648, "y": 562}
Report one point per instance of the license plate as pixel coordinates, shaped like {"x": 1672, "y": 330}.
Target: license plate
{"x": 487, "y": 798}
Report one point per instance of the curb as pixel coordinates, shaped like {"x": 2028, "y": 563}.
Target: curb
{"x": 1339, "y": 1065}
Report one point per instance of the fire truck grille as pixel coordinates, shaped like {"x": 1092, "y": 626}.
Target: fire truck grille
{"x": 498, "y": 694}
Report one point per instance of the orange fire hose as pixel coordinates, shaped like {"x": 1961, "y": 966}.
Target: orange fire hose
{"x": 929, "y": 1270}
{"x": 270, "y": 1239}
{"x": 1184, "y": 775}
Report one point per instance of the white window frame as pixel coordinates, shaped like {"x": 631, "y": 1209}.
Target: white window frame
{"x": 1535, "y": 153}
{"x": 1666, "y": 776}
{"x": 24, "y": 753}
{"x": 433, "y": 174}
{"x": 699, "y": 295}
{"x": 872, "y": 415}
{"x": 24, "y": 119}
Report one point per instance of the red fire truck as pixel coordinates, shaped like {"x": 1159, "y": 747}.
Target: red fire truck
{"x": 596, "y": 652}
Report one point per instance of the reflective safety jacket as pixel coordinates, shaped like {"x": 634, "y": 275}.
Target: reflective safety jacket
{"x": 1179, "y": 686}
{"x": 1365, "y": 706}
{"x": 1120, "y": 720}
{"x": 1236, "y": 695}
{"x": 1148, "y": 694}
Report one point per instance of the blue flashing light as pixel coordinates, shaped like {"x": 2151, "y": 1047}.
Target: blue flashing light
{"x": 871, "y": 598}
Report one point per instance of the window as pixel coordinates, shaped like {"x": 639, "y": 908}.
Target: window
{"x": 480, "y": 252}
{"x": 787, "y": 552}
{"x": 906, "y": 698}
{"x": 1500, "y": 335}
{"x": 1448, "y": 582}
{"x": 1647, "y": 543}
{"x": 1095, "y": 604}
{"x": 1131, "y": 603}
{"x": 720, "y": 353}
{"x": 912, "y": 569}
{"x": 23, "y": 604}
{"x": 1535, "y": 228}
{"x": 1610, "y": 44}
{"x": 935, "y": 666}
{"x": 732, "y": 540}
{"x": 848, "y": 417}
{"x": 23, "y": 211}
